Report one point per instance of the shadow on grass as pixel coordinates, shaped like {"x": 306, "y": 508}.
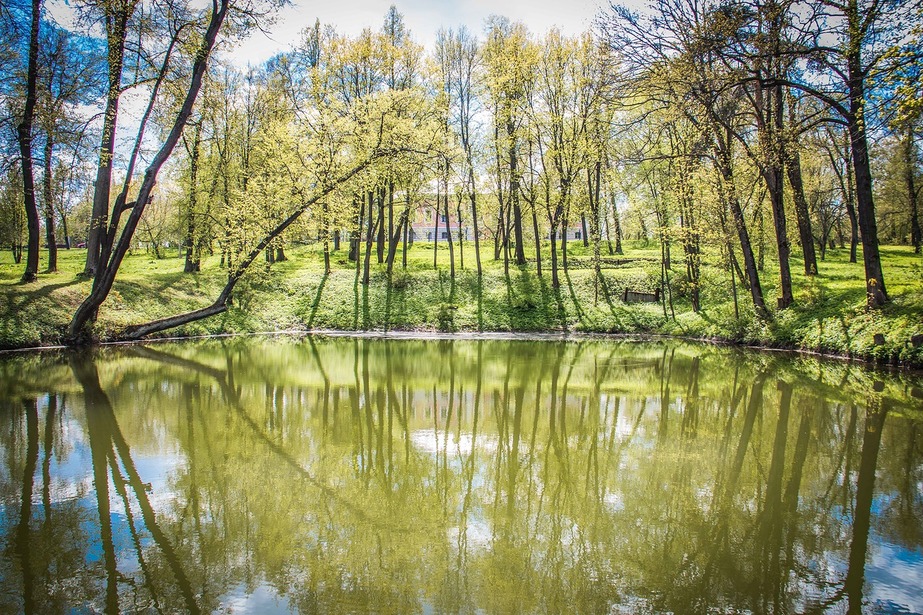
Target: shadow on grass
{"x": 356, "y": 299}
{"x": 581, "y": 315}
{"x": 317, "y": 297}
{"x": 388, "y": 290}
{"x": 41, "y": 292}
{"x": 155, "y": 286}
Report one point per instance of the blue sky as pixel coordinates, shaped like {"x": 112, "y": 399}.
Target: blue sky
{"x": 422, "y": 17}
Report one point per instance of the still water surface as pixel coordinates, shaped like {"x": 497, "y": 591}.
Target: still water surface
{"x": 339, "y": 475}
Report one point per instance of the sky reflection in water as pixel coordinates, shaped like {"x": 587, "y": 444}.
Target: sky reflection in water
{"x": 360, "y": 475}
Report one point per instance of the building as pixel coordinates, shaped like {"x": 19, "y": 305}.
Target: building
{"x": 425, "y": 227}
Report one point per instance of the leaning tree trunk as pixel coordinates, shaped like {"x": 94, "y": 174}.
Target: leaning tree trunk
{"x": 396, "y": 238}
{"x": 105, "y": 277}
{"x": 729, "y": 195}
{"x": 223, "y": 300}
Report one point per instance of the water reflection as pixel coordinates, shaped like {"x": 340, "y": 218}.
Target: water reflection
{"x": 356, "y": 475}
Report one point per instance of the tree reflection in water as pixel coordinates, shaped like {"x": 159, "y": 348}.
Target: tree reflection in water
{"x": 358, "y": 475}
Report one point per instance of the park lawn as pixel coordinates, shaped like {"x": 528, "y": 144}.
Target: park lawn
{"x": 829, "y": 314}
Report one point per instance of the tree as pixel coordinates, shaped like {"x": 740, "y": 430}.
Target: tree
{"x": 24, "y": 135}
{"x": 509, "y": 58}
{"x": 461, "y": 51}
{"x": 69, "y": 78}
{"x": 105, "y": 277}
{"x": 13, "y": 229}
{"x": 669, "y": 62}
{"x": 336, "y": 159}
{"x": 863, "y": 32}
{"x": 116, "y": 15}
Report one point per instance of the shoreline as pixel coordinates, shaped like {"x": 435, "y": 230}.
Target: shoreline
{"x": 434, "y": 334}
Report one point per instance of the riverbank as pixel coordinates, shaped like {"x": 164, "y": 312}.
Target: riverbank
{"x": 828, "y": 317}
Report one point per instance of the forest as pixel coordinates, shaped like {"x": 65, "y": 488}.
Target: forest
{"x": 732, "y": 156}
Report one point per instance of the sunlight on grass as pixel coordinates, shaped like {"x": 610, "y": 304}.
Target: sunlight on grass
{"x": 828, "y": 316}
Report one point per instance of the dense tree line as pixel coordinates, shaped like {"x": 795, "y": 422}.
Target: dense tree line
{"x": 730, "y": 132}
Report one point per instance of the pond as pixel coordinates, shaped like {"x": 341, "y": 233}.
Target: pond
{"x": 355, "y": 475}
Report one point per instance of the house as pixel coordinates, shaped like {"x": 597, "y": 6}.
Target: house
{"x": 427, "y": 225}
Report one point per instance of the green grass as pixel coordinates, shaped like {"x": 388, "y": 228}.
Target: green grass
{"x": 829, "y": 314}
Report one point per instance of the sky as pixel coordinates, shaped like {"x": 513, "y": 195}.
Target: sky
{"x": 422, "y": 17}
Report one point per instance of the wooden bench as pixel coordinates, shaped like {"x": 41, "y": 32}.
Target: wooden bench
{"x": 633, "y": 296}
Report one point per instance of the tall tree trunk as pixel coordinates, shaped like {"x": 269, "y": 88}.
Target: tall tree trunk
{"x": 192, "y": 258}
{"x": 876, "y": 293}
{"x": 461, "y": 232}
{"x": 116, "y": 31}
{"x": 618, "y": 227}
{"x": 64, "y": 229}
{"x": 594, "y": 181}
{"x": 390, "y": 207}
{"x": 24, "y": 135}
{"x": 793, "y": 166}
{"x": 555, "y": 281}
{"x": 408, "y": 235}
{"x": 472, "y": 195}
{"x": 436, "y": 225}
{"x": 355, "y": 236}
{"x": 325, "y": 209}
{"x": 776, "y": 200}
{"x": 538, "y": 242}
{"x": 380, "y": 239}
{"x": 910, "y": 167}
{"x": 851, "y": 208}
{"x": 514, "y": 195}
{"x": 729, "y": 196}
{"x": 773, "y": 174}
{"x": 842, "y": 167}
{"x": 370, "y": 235}
{"x": 448, "y": 230}
{"x": 564, "y": 223}
{"x": 691, "y": 248}
{"x": 50, "y": 236}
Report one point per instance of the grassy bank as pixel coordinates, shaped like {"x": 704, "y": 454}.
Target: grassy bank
{"x": 829, "y": 315}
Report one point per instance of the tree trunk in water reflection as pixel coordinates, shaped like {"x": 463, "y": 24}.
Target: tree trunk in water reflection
{"x": 106, "y": 440}
{"x": 862, "y": 515}
{"x": 23, "y": 531}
